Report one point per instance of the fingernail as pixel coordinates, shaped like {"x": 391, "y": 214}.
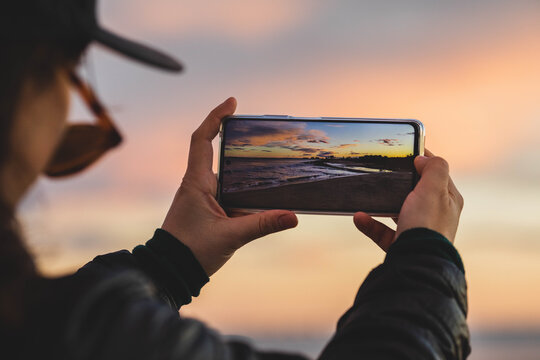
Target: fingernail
{"x": 287, "y": 221}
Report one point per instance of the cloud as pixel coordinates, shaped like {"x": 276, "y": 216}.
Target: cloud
{"x": 314, "y": 136}
{"x": 254, "y": 133}
{"x": 335, "y": 125}
{"x": 388, "y": 142}
{"x": 343, "y": 146}
{"x": 301, "y": 149}
{"x": 325, "y": 153}
{"x": 406, "y": 133}
{"x": 276, "y": 134}
{"x": 243, "y": 142}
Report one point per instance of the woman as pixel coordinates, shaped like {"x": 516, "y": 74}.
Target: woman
{"x": 125, "y": 304}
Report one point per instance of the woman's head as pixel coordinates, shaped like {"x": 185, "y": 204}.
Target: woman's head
{"x": 43, "y": 40}
{"x": 40, "y": 44}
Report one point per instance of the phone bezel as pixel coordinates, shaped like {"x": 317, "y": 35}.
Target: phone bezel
{"x": 418, "y": 150}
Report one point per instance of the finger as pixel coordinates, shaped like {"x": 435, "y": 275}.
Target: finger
{"x": 452, "y": 189}
{"x": 420, "y": 163}
{"x": 253, "y": 226}
{"x": 421, "y": 160}
{"x": 200, "y": 151}
{"x": 381, "y": 234}
{"x": 433, "y": 171}
{"x": 210, "y": 126}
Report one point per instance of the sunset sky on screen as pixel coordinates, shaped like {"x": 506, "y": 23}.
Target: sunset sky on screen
{"x": 279, "y": 139}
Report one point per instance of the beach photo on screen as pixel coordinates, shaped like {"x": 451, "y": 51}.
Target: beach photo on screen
{"x": 329, "y": 166}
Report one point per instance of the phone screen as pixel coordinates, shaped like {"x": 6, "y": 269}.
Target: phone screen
{"x": 317, "y": 166}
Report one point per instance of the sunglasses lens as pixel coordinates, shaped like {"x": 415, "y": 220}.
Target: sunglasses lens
{"x": 80, "y": 146}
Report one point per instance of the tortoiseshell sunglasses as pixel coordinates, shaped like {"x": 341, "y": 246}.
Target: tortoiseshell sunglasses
{"x": 83, "y": 144}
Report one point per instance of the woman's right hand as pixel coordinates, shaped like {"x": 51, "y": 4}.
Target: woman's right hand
{"x": 435, "y": 203}
{"x": 197, "y": 219}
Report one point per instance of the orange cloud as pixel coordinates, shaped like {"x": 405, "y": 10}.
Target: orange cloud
{"x": 344, "y": 146}
{"x": 241, "y": 135}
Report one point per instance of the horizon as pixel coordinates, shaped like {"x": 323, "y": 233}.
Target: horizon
{"x": 321, "y": 158}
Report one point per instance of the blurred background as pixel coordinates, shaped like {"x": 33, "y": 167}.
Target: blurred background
{"x": 469, "y": 70}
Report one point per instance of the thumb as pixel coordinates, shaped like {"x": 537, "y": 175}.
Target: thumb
{"x": 250, "y": 227}
{"x": 433, "y": 171}
{"x": 420, "y": 163}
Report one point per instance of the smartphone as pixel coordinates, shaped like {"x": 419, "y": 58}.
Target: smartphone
{"x": 317, "y": 165}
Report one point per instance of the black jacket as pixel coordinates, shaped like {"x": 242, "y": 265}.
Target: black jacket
{"x": 125, "y": 306}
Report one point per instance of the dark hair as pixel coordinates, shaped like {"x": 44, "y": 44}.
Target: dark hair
{"x": 37, "y": 37}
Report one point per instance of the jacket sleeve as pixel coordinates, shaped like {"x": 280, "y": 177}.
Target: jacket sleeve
{"x": 413, "y": 306}
{"x": 170, "y": 265}
{"x": 121, "y": 318}
{"x": 129, "y": 309}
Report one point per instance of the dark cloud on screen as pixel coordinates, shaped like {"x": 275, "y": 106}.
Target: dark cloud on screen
{"x": 388, "y": 142}
{"x": 275, "y": 134}
{"x": 325, "y": 153}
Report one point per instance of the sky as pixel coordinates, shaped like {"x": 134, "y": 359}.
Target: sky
{"x": 305, "y": 139}
{"x": 469, "y": 70}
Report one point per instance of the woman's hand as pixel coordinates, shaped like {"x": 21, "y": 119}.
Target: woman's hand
{"x": 195, "y": 217}
{"x": 435, "y": 203}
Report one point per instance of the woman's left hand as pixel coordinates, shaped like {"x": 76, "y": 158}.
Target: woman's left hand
{"x": 195, "y": 217}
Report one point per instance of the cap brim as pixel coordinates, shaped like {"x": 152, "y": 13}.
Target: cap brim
{"x": 136, "y": 51}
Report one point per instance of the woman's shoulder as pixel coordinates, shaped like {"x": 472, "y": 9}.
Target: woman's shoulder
{"x": 79, "y": 314}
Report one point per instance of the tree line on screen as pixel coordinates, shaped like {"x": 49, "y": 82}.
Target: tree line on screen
{"x": 372, "y": 161}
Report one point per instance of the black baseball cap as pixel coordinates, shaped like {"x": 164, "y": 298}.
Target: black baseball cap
{"x": 85, "y": 18}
